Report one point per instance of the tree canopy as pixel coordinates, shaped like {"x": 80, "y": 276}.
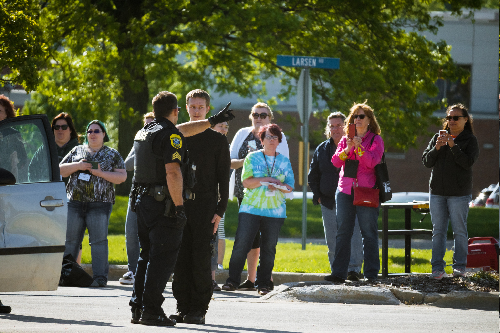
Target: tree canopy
{"x": 109, "y": 58}
{"x": 21, "y": 46}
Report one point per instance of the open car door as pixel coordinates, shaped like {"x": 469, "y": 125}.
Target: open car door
{"x": 33, "y": 206}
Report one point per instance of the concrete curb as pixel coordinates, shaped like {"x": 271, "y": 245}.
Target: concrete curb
{"x": 311, "y": 287}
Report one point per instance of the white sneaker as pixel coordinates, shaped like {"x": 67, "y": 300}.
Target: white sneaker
{"x": 438, "y": 275}
{"x": 128, "y": 278}
{"x": 458, "y": 272}
{"x": 219, "y": 266}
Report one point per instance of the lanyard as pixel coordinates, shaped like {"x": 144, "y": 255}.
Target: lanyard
{"x": 267, "y": 165}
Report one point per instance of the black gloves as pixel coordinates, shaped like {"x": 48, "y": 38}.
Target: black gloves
{"x": 223, "y": 115}
{"x": 180, "y": 215}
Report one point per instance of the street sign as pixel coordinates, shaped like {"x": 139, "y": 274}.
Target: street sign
{"x": 302, "y": 92}
{"x": 311, "y": 62}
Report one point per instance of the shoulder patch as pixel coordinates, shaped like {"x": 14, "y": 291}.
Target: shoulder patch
{"x": 176, "y": 141}
{"x": 177, "y": 156}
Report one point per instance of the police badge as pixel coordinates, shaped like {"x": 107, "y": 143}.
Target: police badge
{"x": 176, "y": 141}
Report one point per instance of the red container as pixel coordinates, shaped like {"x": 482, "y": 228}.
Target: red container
{"x": 482, "y": 252}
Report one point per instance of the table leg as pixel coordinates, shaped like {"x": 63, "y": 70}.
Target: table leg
{"x": 385, "y": 241}
{"x": 408, "y": 241}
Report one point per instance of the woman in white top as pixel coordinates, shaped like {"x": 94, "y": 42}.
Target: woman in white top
{"x": 246, "y": 140}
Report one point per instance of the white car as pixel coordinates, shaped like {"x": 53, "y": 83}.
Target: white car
{"x": 492, "y": 201}
{"x": 33, "y": 206}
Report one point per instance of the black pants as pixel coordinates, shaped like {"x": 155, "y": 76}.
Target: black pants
{"x": 160, "y": 240}
{"x": 192, "y": 281}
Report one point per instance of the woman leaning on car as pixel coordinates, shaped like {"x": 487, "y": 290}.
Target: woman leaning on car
{"x": 451, "y": 154}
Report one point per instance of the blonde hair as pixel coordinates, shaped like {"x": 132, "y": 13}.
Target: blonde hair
{"x": 264, "y": 106}
{"x": 149, "y": 115}
{"x": 373, "y": 126}
{"x": 332, "y": 115}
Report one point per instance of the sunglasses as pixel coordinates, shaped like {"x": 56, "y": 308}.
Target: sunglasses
{"x": 453, "y": 117}
{"x": 96, "y": 131}
{"x": 360, "y": 116}
{"x": 63, "y": 127}
{"x": 262, "y": 115}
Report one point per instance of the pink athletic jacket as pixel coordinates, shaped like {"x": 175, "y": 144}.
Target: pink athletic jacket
{"x": 370, "y": 157}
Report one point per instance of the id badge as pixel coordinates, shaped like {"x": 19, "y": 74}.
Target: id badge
{"x": 270, "y": 193}
{"x": 84, "y": 176}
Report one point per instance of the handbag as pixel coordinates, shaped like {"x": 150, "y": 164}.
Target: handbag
{"x": 382, "y": 182}
{"x": 365, "y": 196}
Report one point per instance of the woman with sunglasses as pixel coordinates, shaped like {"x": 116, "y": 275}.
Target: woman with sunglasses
{"x": 451, "y": 153}
{"x": 366, "y": 147}
{"x": 245, "y": 141}
{"x": 93, "y": 168}
{"x": 267, "y": 177}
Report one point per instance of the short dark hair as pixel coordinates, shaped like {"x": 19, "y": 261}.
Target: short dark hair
{"x": 468, "y": 125}
{"x": 8, "y": 105}
{"x": 163, "y": 103}
{"x": 65, "y": 116}
{"x": 198, "y": 93}
{"x": 273, "y": 129}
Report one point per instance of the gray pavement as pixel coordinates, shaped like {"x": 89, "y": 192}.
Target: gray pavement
{"x": 71, "y": 309}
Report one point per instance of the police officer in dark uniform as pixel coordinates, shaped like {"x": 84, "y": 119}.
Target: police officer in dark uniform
{"x": 209, "y": 150}
{"x": 157, "y": 197}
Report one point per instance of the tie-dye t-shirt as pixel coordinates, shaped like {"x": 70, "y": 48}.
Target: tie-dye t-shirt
{"x": 255, "y": 201}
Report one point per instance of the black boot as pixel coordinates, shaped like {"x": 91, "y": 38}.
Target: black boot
{"x": 156, "y": 320}
{"x": 195, "y": 317}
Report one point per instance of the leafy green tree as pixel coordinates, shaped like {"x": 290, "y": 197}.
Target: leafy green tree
{"x": 21, "y": 46}
{"x": 110, "y": 57}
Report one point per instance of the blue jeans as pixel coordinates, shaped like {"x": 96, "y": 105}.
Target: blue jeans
{"x": 248, "y": 226}
{"x": 443, "y": 209}
{"x": 131, "y": 239}
{"x": 330, "y": 226}
{"x": 93, "y": 216}
{"x": 346, "y": 217}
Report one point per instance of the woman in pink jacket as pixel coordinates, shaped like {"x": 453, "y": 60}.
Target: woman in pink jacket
{"x": 369, "y": 153}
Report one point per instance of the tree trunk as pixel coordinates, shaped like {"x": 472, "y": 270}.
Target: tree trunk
{"x": 135, "y": 98}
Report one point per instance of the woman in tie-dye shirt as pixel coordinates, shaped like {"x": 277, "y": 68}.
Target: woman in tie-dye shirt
{"x": 267, "y": 176}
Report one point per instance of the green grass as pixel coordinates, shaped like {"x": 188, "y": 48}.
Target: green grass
{"x": 289, "y": 257}
{"x": 480, "y": 223}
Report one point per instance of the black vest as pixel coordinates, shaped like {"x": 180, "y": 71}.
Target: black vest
{"x": 149, "y": 168}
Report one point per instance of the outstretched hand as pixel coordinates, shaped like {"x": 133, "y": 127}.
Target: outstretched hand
{"x": 223, "y": 116}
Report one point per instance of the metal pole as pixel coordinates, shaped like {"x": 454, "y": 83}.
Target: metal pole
{"x": 305, "y": 132}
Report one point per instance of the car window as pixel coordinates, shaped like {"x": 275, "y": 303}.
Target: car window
{"x": 24, "y": 152}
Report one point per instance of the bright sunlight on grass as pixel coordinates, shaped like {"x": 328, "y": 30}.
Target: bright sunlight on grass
{"x": 289, "y": 257}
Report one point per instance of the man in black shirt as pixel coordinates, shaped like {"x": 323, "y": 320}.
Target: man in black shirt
{"x": 209, "y": 150}
{"x": 157, "y": 198}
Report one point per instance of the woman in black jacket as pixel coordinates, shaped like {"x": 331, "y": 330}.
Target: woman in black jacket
{"x": 451, "y": 154}
{"x": 323, "y": 179}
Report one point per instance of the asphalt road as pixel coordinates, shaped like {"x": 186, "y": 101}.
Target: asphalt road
{"x": 71, "y": 309}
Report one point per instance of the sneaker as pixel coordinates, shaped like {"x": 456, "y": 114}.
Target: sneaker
{"x": 156, "y": 320}
{"x": 215, "y": 286}
{"x": 128, "y": 278}
{"x": 353, "y": 276}
{"x": 458, "y": 272}
{"x": 372, "y": 280}
{"x": 438, "y": 275}
{"x": 99, "y": 283}
{"x": 219, "y": 266}
{"x": 229, "y": 287}
{"x": 264, "y": 291}
{"x": 195, "y": 317}
{"x": 247, "y": 285}
{"x": 334, "y": 279}
{"x": 136, "y": 315}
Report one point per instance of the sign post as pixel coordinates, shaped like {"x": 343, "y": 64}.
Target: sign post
{"x": 304, "y": 106}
